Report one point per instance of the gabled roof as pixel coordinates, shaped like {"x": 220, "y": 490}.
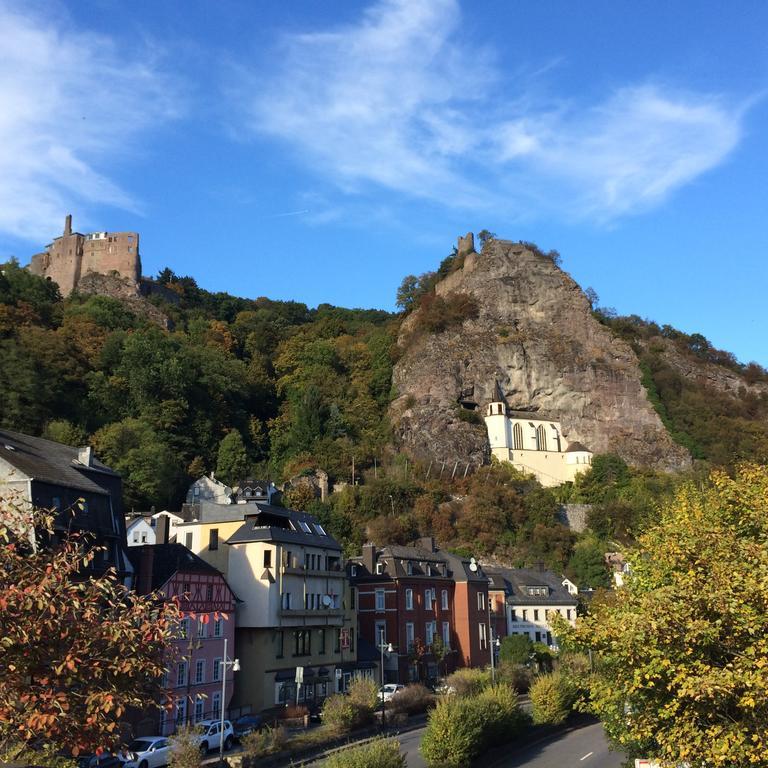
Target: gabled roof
{"x": 169, "y": 559}
{"x": 576, "y": 446}
{"x": 49, "y": 462}
{"x": 266, "y": 522}
{"x": 533, "y": 416}
{"x": 514, "y": 582}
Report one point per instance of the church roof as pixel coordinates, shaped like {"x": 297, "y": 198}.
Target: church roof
{"x": 577, "y": 446}
{"x": 532, "y": 416}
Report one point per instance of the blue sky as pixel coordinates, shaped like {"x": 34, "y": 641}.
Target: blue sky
{"x": 320, "y": 151}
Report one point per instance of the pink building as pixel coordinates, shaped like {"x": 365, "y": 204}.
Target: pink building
{"x": 208, "y": 605}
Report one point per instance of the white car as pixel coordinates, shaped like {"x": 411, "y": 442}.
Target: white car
{"x": 146, "y": 752}
{"x": 211, "y": 734}
{"x": 387, "y": 691}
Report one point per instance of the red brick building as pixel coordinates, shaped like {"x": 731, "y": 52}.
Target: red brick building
{"x": 420, "y": 599}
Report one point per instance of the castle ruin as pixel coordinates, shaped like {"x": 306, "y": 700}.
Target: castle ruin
{"x": 72, "y": 256}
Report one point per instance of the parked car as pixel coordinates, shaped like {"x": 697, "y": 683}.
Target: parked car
{"x": 245, "y": 725}
{"x": 146, "y": 752}
{"x": 104, "y": 760}
{"x": 387, "y": 691}
{"x": 315, "y": 711}
{"x": 211, "y": 735}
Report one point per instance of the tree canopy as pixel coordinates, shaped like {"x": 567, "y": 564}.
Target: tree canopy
{"x": 681, "y": 651}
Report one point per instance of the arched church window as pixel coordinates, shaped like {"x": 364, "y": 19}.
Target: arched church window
{"x": 541, "y": 439}
{"x": 517, "y": 437}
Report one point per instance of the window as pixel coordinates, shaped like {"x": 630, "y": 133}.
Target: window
{"x": 319, "y": 528}
{"x": 512, "y": 614}
{"x": 568, "y": 613}
{"x": 306, "y": 561}
{"x": 181, "y": 673}
{"x": 201, "y": 626}
{"x": 216, "y": 706}
{"x": 480, "y": 601}
{"x": 305, "y": 527}
{"x": 143, "y": 537}
{"x": 280, "y": 641}
{"x": 188, "y": 539}
{"x": 337, "y": 640}
{"x": 353, "y": 570}
{"x": 199, "y": 711}
{"x": 541, "y": 438}
{"x": 288, "y": 559}
{"x": 135, "y": 537}
{"x": 302, "y": 642}
{"x": 409, "y": 568}
{"x": 535, "y": 614}
{"x": 517, "y": 437}
{"x": 379, "y": 599}
{"x": 444, "y": 596}
{"x": 446, "y": 634}
{"x": 408, "y": 599}
{"x": 185, "y": 589}
{"x": 483, "y": 636}
{"x": 286, "y": 601}
{"x": 184, "y": 629}
{"x": 381, "y": 632}
{"x": 525, "y": 614}
{"x": 218, "y": 628}
{"x": 379, "y": 568}
{"x": 181, "y": 711}
{"x": 213, "y": 539}
{"x": 353, "y": 598}
{"x": 200, "y": 671}
{"x": 267, "y": 558}
{"x": 321, "y": 649}
{"x": 216, "y": 670}
{"x": 409, "y": 636}
{"x": 428, "y": 599}
{"x": 430, "y": 630}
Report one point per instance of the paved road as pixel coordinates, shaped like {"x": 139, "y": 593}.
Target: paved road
{"x": 584, "y": 747}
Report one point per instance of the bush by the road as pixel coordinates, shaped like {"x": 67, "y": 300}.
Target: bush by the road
{"x": 185, "y": 748}
{"x": 516, "y": 676}
{"x": 380, "y": 753}
{"x": 339, "y": 713}
{"x": 461, "y": 728}
{"x": 412, "y": 699}
{"x": 363, "y": 693}
{"x": 552, "y": 698}
{"x": 468, "y": 682}
{"x": 263, "y": 742}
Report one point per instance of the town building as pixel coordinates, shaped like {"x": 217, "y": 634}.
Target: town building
{"x": 84, "y": 493}
{"x": 143, "y": 528}
{"x": 73, "y": 255}
{"x": 208, "y": 618}
{"x": 420, "y": 600}
{"x": 525, "y": 600}
{"x": 534, "y": 443}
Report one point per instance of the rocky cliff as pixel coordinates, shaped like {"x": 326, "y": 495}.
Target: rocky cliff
{"x": 535, "y": 335}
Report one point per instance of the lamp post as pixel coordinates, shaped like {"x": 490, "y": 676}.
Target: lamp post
{"x": 388, "y": 648}
{"x": 225, "y": 664}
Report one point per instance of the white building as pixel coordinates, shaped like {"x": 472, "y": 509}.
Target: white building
{"x": 534, "y": 443}
{"x": 142, "y": 529}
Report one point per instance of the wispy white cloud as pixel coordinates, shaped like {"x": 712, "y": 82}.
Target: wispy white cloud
{"x": 71, "y": 103}
{"x": 403, "y": 101}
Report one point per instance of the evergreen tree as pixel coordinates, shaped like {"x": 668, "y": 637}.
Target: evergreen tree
{"x": 232, "y": 462}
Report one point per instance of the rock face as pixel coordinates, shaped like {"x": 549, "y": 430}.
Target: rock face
{"x": 536, "y": 336}
{"x": 124, "y": 290}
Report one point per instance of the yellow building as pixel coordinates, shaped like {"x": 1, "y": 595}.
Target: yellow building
{"x": 534, "y": 443}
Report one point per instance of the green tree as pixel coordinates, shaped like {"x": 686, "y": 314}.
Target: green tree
{"x": 587, "y": 565}
{"x": 484, "y": 236}
{"x": 75, "y": 653}
{"x": 681, "y": 651}
{"x": 232, "y": 461}
{"x": 516, "y": 649}
{"x": 65, "y": 432}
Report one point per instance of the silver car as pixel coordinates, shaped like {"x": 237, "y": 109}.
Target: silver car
{"x": 147, "y": 752}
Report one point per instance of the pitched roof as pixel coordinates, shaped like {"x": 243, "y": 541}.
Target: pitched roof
{"x": 532, "y": 416}
{"x": 50, "y": 462}
{"x": 576, "y": 446}
{"x": 266, "y": 522}
{"x": 515, "y": 581}
{"x": 169, "y": 559}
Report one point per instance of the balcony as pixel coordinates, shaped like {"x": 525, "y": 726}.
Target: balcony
{"x": 313, "y": 615}
{"x": 326, "y": 573}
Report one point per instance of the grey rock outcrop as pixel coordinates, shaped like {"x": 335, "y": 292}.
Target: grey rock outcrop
{"x": 535, "y": 336}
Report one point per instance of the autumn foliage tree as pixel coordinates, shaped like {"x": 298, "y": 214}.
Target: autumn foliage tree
{"x": 76, "y": 651}
{"x": 681, "y": 652}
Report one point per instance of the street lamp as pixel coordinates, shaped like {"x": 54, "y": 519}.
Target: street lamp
{"x": 225, "y": 664}
{"x": 388, "y": 648}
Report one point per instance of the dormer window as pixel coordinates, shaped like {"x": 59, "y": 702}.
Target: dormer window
{"x": 305, "y": 527}
{"x": 379, "y": 568}
{"x": 409, "y": 568}
{"x": 537, "y": 591}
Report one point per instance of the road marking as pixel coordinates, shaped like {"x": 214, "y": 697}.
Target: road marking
{"x": 589, "y": 754}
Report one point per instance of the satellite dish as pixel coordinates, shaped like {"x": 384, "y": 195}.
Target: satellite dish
{"x": 327, "y": 601}
{"x": 472, "y": 564}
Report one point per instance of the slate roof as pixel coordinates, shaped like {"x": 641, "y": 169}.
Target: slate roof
{"x": 532, "y": 416}
{"x": 576, "y": 446}
{"x": 266, "y": 522}
{"x": 515, "y": 580}
{"x": 169, "y": 559}
{"x": 51, "y": 462}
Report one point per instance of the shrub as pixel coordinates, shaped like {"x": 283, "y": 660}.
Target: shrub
{"x": 469, "y": 682}
{"x": 501, "y": 715}
{"x": 438, "y": 313}
{"x": 516, "y": 676}
{"x": 363, "y": 693}
{"x": 263, "y": 742}
{"x": 185, "y": 748}
{"x": 516, "y": 649}
{"x": 471, "y": 417}
{"x": 293, "y": 711}
{"x": 454, "y": 733}
{"x": 552, "y": 697}
{"x": 412, "y": 699}
{"x": 380, "y": 753}
{"x": 339, "y": 713}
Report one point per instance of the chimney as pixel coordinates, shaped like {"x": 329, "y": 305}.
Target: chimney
{"x": 369, "y": 557}
{"x": 146, "y": 564}
{"x": 68, "y": 225}
{"x": 428, "y": 543}
{"x": 162, "y": 529}
{"x": 85, "y": 455}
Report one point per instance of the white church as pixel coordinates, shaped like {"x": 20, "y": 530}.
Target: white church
{"x": 534, "y": 443}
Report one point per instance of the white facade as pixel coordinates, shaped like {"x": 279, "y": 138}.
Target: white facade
{"x": 142, "y": 530}
{"x": 534, "y": 444}
{"x": 209, "y": 489}
{"x": 534, "y": 620}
